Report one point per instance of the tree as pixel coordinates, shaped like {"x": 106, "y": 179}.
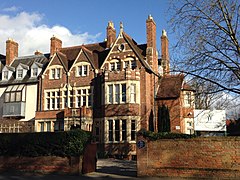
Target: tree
{"x": 163, "y": 119}
{"x": 208, "y": 41}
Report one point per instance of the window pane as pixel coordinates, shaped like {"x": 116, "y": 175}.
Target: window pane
{"x": 80, "y": 70}
{"x": 133, "y": 130}
{"x": 20, "y": 73}
{"x": 110, "y": 93}
{"x": 79, "y": 101}
{"x": 5, "y": 75}
{"x": 123, "y": 92}
{"x": 53, "y": 103}
{"x": 117, "y": 130}
{"x": 126, "y": 64}
{"x": 133, "y": 93}
{"x": 18, "y": 96}
{"x": 124, "y": 130}
{"x": 41, "y": 126}
{"x": 48, "y": 126}
{"x": 12, "y": 99}
{"x": 84, "y": 100}
{"x": 71, "y": 102}
{"x": 118, "y": 66}
{"x": 112, "y": 66}
{"x": 89, "y": 100}
{"x": 133, "y": 64}
{"x": 7, "y": 97}
{"x": 85, "y": 70}
{"x": 58, "y": 103}
{"x": 117, "y": 93}
{"x": 35, "y": 72}
{"x": 110, "y": 130}
{"x": 48, "y": 103}
{"x": 53, "y": 73}
{"x": 58, "y": 73}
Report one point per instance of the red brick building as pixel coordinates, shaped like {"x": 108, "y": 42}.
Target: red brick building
{"x": 112, "y": 88}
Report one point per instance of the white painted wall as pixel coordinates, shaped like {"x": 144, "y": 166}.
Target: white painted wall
{"x": 206, "y": 120}
{"x": 2, "y": 89}
{"x": 31, "y": 102}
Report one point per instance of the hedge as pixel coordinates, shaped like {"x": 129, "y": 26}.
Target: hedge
{"x": 63, "y": 144}
{"x": 163, "y": 135}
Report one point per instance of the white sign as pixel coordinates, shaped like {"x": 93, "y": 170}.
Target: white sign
{"x": 206, "y": 120}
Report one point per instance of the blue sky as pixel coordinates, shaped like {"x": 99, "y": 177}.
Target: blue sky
{"x": 32, "y": 23}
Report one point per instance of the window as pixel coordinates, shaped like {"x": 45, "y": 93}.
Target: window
{"x": 5, "y": 75}
{"x": 34, "y": 72}
{"x": 117, "y": 130}
{"x": 82, "y": 70}
{"x": 110, "y": 93}
{"x": 116, "y": 93}
{"x": 53, "y": 73}
{"x": 115, "y": 66}
{"x": 7, "y": 97}
{"x": 187, "y": 98}
{"x": 133, "y": 93}
{"x": 133, "y": 130}
{"x": 48, "y": 126}
{"x": 131, "y": 63}
{"x": 52, "y": 100}
{"x": 124, "y": 130}
{"x": 19, "y": 73}
{"x": 41, "y": 126}
{"x": 56, "y": 73}
{"x": 84, "y": 97}
{"x": 110, "y": 130}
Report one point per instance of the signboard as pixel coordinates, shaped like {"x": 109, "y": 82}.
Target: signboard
{"x": 206, "y": 120}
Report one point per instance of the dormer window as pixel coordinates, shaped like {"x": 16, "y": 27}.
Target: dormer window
{"x": 5, "y": 75}
{"x": 19, "y": 73}
{"x": 130, "y": 63}
{"x": 34, "y": 72}
{"x": 114, "y": 65}
{"x": 82, "y": 70}
{"x": 56, "y": 73}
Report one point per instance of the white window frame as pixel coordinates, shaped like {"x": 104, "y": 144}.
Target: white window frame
{"x": 19, "y": 73}
{"x": 5, "y": 75}
{"x": 115, "y": 65}
{"x": 82, "y": 70}
{"x": 83, "y": 93}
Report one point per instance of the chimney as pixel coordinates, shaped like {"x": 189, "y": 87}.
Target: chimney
{"x": 56, "y": 44}
{"x": 11, "y": 51}
{"x": 111, "y": 34}
{"x": 151, "y": 43}
{"x": 165, "y": 61}
{"x": 37, "y": 52}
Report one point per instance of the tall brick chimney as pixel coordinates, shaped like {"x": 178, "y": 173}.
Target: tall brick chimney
{"x": 151, "y": 43}
{"x": 111, "y": 34}
{"x": 56, "y": 44}
{"x": 11, "y": 51}
{"x": 165, "y": 62}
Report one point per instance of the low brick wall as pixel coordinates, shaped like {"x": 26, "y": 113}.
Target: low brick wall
{"x": 52, "y": 164}
{"x": 211, "y": 157}
{"x": 42, "y": 165}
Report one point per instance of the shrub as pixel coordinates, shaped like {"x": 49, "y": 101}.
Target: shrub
{"x": 68, "y": 143}
{"x": 163, "y": 135}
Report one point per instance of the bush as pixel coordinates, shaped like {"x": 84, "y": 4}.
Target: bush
{"x": 163, "y": 135}
{"x": 68, "y": 143}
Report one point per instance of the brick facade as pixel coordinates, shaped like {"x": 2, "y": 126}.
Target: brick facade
{"x": 108, "y": 88}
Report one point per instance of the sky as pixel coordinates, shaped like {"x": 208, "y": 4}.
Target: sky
{"x": 32, "y": 23}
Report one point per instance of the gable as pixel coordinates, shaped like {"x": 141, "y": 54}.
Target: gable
{"x": 120, "y": 52}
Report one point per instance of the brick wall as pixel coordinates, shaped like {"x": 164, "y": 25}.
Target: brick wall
{"x": 52, "y": 164}
{"x": 212, "y": 157}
